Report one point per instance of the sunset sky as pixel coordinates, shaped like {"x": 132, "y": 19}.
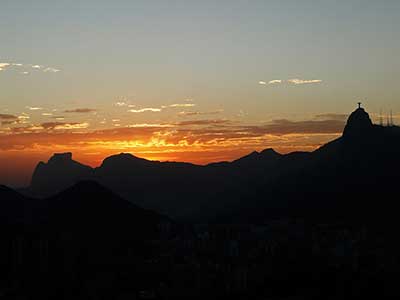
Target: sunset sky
{"x": 196, "y": 81}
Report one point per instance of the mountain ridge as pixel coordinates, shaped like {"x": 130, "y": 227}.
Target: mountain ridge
{"x": 183, "y": 190}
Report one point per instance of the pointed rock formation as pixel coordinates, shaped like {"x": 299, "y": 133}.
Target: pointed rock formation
{"x": 59, "y": 173}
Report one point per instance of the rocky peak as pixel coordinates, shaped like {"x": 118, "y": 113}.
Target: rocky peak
{"x": 358, "y": 123}
{"x": 61, "y": 157}
{"x": 271, "y": 152}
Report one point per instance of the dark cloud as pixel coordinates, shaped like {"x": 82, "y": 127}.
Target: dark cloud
{"x": 338, "y": 117}
{"x": 203, "y": 122}
{"x": 81, "y": 110}
{"x": 7, "y": 117}
{"x": 8, "y": 122}
{"x": 283, "y": 126}
{"x": 198, "y": 113}
{"x": 64, "y": 125}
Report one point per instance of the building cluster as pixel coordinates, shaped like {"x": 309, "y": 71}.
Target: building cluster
{"x": 203, "y": 261}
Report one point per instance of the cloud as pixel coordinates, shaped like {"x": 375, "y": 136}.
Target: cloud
{"x": 120, "y": 104}
{"x": 25, "y": 68}
{"x": 284, "y": 126}
{"x": 331, "y": 116}
{"x": 50, "y": 126}
{"x": 9, "y": 122}
{"x": 295, "y": 81}
{"x": 203, "y": 122}
{"x": 64, "y": 126}
{"x": 4, "y": 66}
{"x": 182, "y": 105}
{"x": 23, "y": 116}
{"x": 81, "y": 110}
{"x": 147, "y": 109}
{"x": 51, "y": 70}
{"x": 34, "y": 108}
{"x": 302, "y": 81}
{"x": 8, "y": 117}
{"x": 198, "y": 113}
{"x": 145, "y": 125}
{"x": 275, "y": 81}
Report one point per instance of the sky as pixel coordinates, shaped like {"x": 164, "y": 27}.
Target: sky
{"x": 197, "y": 81}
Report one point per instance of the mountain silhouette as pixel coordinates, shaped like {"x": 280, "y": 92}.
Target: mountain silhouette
{"x": 256, "y": 159}
{"x": 89, "y": 207}
{"x": 86, "y": 206}
{"x": 13, "y": 206}
{"x": 53, "y": 248}
{"x": 60, "y": 172}
{"x": 359, "y": 124}
{"x": 358, "y": 165}
{"x": 352, "y": 178}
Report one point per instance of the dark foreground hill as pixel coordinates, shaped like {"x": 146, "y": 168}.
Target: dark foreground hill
{"x": 67, "y": 246}
{"x": 347, "y": 176}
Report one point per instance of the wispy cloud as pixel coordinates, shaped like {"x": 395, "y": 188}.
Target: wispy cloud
{"x": 121, "y": 104}
{"x": 51, "y": 70}
{"x": 81, "y": 110}
{"x": 64, "y": 126}
{"x": 284, "y": 126}
{"x": 332, "y": 116}
{"x": 182, "y": 105}
{"x": 275, "y": 81}
{"x": 295, "y": 81}
{"x": 25, "y": 68}
{"x": 34, "y": 108}
{"x": 147, "y": 109}
{"x": 145, "y": 125}
{"x": 199, "y": 113}
{"x": 302, "y": 81}
{"x": 50, "y": 126}
{"x": 24, "y": 116}
{"x": 203, "y": 122}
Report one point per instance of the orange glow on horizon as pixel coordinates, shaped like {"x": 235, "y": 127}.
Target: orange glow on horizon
{"x": 198, "y": 144}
